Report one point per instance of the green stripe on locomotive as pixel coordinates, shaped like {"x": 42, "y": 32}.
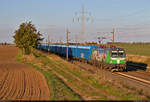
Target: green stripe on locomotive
{"x": 111, "y": 60}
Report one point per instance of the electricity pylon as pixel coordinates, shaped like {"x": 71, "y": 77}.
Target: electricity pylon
{"x": 83, "y": 18}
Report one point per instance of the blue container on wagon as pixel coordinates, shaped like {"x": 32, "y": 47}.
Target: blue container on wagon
{"x": 79, "y": 51}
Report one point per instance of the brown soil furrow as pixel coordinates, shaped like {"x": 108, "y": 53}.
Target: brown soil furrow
{"x": 28, "y": 86}
{"x": 3, "y": 85}
{"x": 3, "y": 73}
{"x": 15, "y": 87}
{"x": 3, "y": 79}
{"x": 38, "y": 87}
{"x": 34, "y": 87}
{"x": 23, "y": 85}
{"x": 43, "y": 93}
{"x": 19, "y": 81}
{"x": 6, "y": 87}
{"x": 37, "y": 76}
{"x": 10, "y": 87}
{"x": 19, "y": 85}
{"x": 35, "y": 90}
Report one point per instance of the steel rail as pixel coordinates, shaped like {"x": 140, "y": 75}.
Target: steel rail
{"x": 133, "y": 77}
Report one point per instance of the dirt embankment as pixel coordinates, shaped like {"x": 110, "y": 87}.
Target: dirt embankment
{"x": 139, "y": 59}
{"x": 19, "y": 81}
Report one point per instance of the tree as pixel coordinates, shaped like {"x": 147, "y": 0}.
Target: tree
{"x": 27, "y": 37}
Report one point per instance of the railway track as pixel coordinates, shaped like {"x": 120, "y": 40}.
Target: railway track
{"x": 134, "y": 80}
{"x": 140, "y": 76}
{"x": 134, "y": 77}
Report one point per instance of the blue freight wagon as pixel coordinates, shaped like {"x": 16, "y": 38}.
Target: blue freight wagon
{"x": 109, "y": 58}
{"x": 78, "y": 51}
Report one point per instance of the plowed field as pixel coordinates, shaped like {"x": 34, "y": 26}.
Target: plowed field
{"x": 19, "y": 81}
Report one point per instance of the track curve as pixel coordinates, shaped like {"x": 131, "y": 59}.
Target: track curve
{"x": 19, "y": 81}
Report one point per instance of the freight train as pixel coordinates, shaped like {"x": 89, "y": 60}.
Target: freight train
{"x": 110, "y": 58}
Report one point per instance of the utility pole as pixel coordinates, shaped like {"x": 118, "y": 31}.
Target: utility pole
{"x": 48, "y": 44}
{"x": 48, "y": 40}
{"x": 113, "y": 35}
{"x": 67, "y": 43}
{"x": 83, "y": 18}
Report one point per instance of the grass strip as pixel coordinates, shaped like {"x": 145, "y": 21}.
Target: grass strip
{"x": 58, "y": 89}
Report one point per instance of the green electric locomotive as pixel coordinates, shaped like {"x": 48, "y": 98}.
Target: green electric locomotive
{"x": 113, "y": 59}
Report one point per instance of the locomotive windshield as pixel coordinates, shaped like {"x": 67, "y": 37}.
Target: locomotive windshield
{"x": 114, "y": 54}
{"x": 121, "y": 53}
{"x": 118, "y": 53}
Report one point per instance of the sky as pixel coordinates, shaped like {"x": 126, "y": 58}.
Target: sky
{"x": 129, "y": 18}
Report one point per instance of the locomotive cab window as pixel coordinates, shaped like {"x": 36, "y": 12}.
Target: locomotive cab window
{"x": 117, "y": 54}
{"x": 121, "y": 53}
{"x": 114, "y": 54}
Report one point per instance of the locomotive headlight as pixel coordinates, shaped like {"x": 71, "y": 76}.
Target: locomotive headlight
{"x": 118, "y": 61}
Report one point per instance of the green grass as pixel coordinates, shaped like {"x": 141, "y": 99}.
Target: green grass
{"x": 142, "y": 49}
{"x": 58, "y": 89}
{"x": 61, "y": 70}
{"x": 94, "y": 82}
